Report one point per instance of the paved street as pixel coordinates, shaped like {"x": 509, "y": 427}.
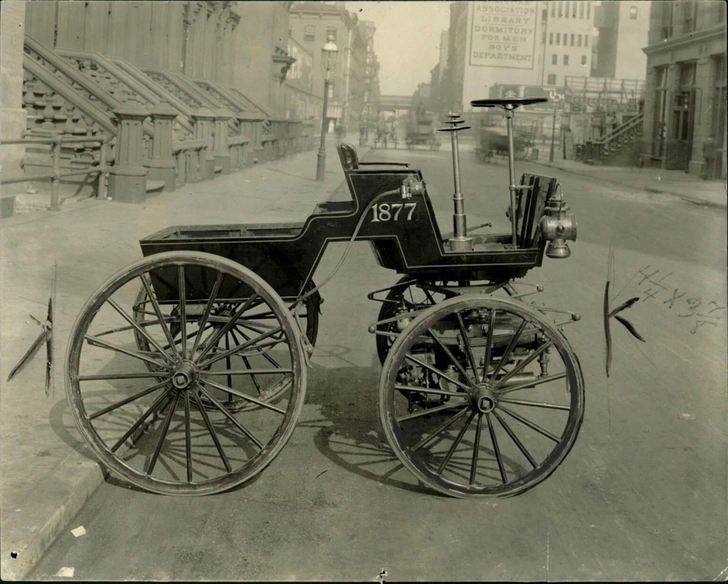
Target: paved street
{"x": 642, "y": 496}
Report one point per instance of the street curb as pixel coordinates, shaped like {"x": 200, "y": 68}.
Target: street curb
{"x": 88, "y": 481}
{"x": 687, "y": 199}
{"x": 93, "y": 475}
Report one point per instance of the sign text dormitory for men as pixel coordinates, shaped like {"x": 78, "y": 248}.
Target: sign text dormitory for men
{"x": 503, "y": 34}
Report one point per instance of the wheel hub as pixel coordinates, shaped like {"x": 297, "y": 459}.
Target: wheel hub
{"x": 185, "y": 375}
{"x": 484, "y": 399}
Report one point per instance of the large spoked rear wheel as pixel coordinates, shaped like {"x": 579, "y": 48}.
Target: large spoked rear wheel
{"x": 156, "y": 412}
{"x": 481, "y": 397}
{"x": 252, "y": 322}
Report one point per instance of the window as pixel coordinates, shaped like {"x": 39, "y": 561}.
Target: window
{"x": 588, "y": 10}
{"x": 551, "y": 80}
{"x": 330, "y": 32}
{"x": 309, "y": 33}
{"x": 689, "y": 13}
{"x": 666, "y": 20}
{"x": 551, "y": 38}
{"x": 572, "y": 40}
{"x": 558, "y": 38}
{"x": 573, "y": 9}
{"x": 554, "y": 59}
{"x": 553, "y": 9}
{"x": 561, "y": 8}
{"x": 567, "y": 10}
{"x": 583, "y": 59}
{"x": 633, "y": 13}
{"x": 566, "y": 59}
{"x": 581, "y": 9}
{"x": 578, "y": 40}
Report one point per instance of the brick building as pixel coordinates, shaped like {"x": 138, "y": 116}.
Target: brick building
{"x": 685, "y": 103}
{"x": 311, "y": 23}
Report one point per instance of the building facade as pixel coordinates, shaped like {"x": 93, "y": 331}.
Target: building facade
{"x": 516, "y": 44}
{"x": 622, "y": 29}
{"x": 239, "y": 44}
{"x": 685, "y": 102}
{"x": 311, "y": 24}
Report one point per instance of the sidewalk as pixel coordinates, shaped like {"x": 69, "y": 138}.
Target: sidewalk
{"x": 47, "y": 471}
{"x": 652, "y": 180}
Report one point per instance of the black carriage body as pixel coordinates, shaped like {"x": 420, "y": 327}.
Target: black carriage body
{"x": 403, "y": 232}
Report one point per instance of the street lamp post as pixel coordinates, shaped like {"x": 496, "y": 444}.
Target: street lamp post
{"x": 328, "y": 62}
{"x": 553, "y": 134}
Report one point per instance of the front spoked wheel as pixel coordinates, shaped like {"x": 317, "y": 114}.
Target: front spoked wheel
{"x": 151, "y": 396}
{"x": 481, "y": 397}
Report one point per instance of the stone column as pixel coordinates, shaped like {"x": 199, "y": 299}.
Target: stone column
{"x": 204, "y": 121}
{"x": 12, "y": 114}
{"x": 702, "y": 115}
{"x": 162, "y": 165}
{"x": 128, "y": 177}
{"x": 672, "y": 87}
{"x": 221, "y": 151}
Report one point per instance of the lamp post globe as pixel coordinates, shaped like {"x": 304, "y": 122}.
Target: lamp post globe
{"x": 329, "y": 53}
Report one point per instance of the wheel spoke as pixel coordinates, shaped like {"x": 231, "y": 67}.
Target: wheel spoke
{"x": 182, "y": 313}
{"x": 243, "y": 396}
{"x": 428, "y": 411}
{"x": 103, "y": 376}
{"x": 527, "y": 384}
{"x": 94, "y": 341}
{"x": 466, "y": 344}
{"x": 123, "y": 329}
{"x": 447, "y": 351}
{"x": 488, "y": 343}
{"x": 428, "y": 390}
{"x": 223, "y": 354}
{"x": 496, "y": 449}
{"x": 153, "y": 408}
{"x": 232, "y": 418}
{"x": 206, "y": 313}
{"x": 271, "y": 372}
{"x": 162, "y": 435}
{"x": 476, "y": 448}
{"x": 267, "y": 357}
{"x": 518, "y": 368}
{"x": 455, "y": 443}
{"x": 524, "y": 402}
{"x": 437, "y": 371}
{"x": 212, "y": 432}
{"x": 127, "y": 400}
{"x": 138, "y": 328}
{"x": 441, "y": 428}
{"x": 228, "y": 325}
{"x": 509, "y": 348}
{"x": 246, "y": 362}
{"x": 157, "y": 309}
{"x": 515, "y": 439}
{"x": 188, "y": 437}
{"x": 530, "y": 424}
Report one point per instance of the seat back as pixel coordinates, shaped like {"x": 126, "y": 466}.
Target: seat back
{"x": 348, "y": 156}
{"x": 533, "y": 207}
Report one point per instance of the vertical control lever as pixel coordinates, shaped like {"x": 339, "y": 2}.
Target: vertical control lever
{"x": 460, "y": 240}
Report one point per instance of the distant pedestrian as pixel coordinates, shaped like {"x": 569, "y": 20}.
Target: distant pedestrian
{"x": 709, "y": 153}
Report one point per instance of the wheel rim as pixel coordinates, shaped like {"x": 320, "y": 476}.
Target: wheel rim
{"x": 149, "y": 395}
{"x": 466, "y": 433}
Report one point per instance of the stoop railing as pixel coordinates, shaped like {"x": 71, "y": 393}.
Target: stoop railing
{"x": 56, "y": 174}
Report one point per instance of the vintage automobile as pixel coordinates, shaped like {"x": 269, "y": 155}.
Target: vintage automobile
{"x": 187, "y": 370}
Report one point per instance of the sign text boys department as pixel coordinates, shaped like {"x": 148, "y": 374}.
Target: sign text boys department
{"x": 503, "y": 34}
